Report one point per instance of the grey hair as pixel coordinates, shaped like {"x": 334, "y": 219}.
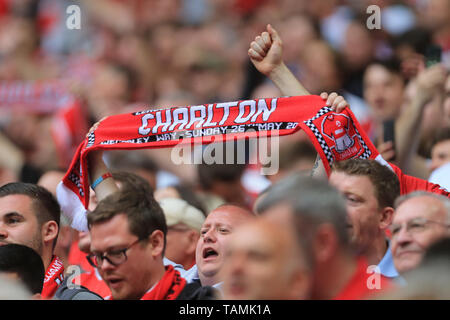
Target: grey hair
{"x": 313, "y": 202}
{"x": 443, "y": 199}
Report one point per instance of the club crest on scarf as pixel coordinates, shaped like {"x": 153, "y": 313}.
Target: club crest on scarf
{"x": 341, "y": 136}
{"x": 337, "y": 136}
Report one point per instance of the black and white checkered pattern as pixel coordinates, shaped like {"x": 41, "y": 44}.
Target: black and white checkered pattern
{"x": 367, "y": 153}
{"x": 91, "y": 139}
{"x": 328, "y": 153}
{"x": 77, "y": 181}
{"x": 318, "y": 135}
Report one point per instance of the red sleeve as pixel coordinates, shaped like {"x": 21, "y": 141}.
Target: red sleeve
{"x": 409, "y": 184}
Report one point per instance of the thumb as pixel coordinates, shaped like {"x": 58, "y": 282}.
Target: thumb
{"x": 273, "y": 33}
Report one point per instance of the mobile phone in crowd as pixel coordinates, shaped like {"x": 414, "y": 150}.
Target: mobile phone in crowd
{"x": 433, "y": 55}
{"x": 389, "y": 132}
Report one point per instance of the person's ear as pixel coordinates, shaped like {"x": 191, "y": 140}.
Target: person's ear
{"x": 386, "y": 217}
{"x": 325, "y": 242}
{"x": 193, "y": 237}
{"x": 157, "y": 243}
{"x": 50, "y": 231}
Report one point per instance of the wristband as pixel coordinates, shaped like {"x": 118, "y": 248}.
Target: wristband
{"x": 100, "y": 179}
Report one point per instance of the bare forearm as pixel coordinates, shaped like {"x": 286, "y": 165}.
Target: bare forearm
{"x": 407, "y": 132}
{"x": 97, "y": 169}
{"x": 286, "y": 82}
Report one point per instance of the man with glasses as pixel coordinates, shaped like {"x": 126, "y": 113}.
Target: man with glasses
{"x": 183, "y": 230}
{"x": 128, "y": 239}
{"x": 421, "y": 218}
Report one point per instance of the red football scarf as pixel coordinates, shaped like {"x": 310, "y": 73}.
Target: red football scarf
{"x": 54, "y": 276}
{"x": 336, "y": 137}
{"x": 168, "y": 288}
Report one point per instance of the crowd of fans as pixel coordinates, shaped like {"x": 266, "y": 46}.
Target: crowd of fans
{"x": 160, "y": 230}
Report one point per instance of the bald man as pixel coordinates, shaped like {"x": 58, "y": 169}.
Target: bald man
{"x": 214, "y": 235}
{"x": 264, "y": 262}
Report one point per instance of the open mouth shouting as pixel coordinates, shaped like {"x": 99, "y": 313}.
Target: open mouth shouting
{"x": 209, "y": 254}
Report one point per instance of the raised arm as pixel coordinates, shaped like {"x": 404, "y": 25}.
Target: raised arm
{"x": 99, "y": 173}
{"x": 429, "y": 83}
{"x": 265, "y": 52}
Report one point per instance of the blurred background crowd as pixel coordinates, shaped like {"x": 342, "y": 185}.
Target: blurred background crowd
{"x": 131, "y": 55}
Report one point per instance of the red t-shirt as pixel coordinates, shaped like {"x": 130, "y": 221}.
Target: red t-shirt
{"x": 361, "y": 286}
{"x": 78, "y": 257}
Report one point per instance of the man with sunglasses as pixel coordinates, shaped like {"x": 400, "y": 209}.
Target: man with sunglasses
{"x": 421, "y": 218}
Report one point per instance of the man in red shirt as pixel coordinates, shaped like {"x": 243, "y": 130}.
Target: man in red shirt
{"x": 29, "y": 215}
{"x": 319, "y": 215}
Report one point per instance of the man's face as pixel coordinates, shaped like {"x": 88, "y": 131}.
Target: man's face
{"x": 214, "y": 234}
{"x": 383, "y": 92}
{"x": 18, "y": 223}
{"x": 440, "y": 154}
{"x": 180, "y": 244}
{"x": 260, "y": 263}
{"x": 132, "y": 278}
{"x": 408, "y": 247}
{"x": 362, "y": 207}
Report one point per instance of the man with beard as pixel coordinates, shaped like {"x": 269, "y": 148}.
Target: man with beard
{"x": 29, "y": 215}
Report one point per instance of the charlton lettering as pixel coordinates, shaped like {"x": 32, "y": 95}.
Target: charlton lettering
{"x": 226, "y": 110}
{"x": 208, "y": 122}
{"x": 202, "y": 116}
{"x": 159, "y": 122}
{"x": 143, "y": 130}
{"x": 198, "y": 120}
{"x": 262, "y": 108}
{"x": 242, "y": 108}
{"x": 176, "y": 118}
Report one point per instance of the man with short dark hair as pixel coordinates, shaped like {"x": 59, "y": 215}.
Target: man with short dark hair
{"x": 370, "y": 190}
{"x": 317, "y": 213}
{"x": 22, "y": 262}
{"x": 128, "y": 228}
{"x": 29, "y": 215}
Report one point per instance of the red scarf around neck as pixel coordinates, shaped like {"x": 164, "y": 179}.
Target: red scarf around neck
{"x": 336, "y": 137}
{"x": 54, "y": 276}
{"x": 168, "y": 288}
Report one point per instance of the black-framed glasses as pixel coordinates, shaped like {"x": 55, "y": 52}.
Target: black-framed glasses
{"x": 414, "y": 226}
{"x": 116, "y": 257}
